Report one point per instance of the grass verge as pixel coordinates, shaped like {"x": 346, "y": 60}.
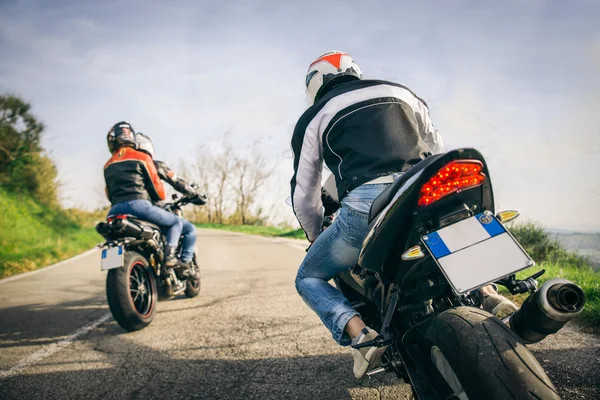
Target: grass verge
{"x": 559, "y": 263}
{"x": 269, "y": 231}
{"x": 33, "y": 236}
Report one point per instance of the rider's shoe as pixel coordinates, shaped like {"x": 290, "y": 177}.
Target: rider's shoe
{"x": 366, "y": 358}
{"x": 498, "y": 305}
{"x": 170, "y": 257}
{"x": 191, "y": 273}
{"x": 187, "y": 270}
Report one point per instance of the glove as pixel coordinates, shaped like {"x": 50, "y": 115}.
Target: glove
{"x": 198, "y": 200}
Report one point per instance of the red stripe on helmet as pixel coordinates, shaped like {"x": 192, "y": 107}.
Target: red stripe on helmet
{"x": 334, "y": 59}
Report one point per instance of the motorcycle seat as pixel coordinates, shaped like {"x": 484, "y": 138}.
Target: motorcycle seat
{"x": 146, "y": 223}
{"x": 135, "y": 219}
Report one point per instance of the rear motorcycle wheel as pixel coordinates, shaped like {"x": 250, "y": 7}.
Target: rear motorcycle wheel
{"x": 131, "y": 293}
{"x": 192, "y": 286}
{"x": 481, "y": 358}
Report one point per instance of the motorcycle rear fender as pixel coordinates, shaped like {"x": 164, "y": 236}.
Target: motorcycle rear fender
{"x": 401, "y": 223}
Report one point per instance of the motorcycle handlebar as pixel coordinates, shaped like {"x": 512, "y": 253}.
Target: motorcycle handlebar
{"x": 183, "y": 201}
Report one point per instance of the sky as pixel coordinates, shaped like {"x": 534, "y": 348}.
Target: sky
{"x": 518, "y": 80}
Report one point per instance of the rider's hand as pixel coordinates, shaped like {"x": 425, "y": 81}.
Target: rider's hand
{"x": 199, "y": 200}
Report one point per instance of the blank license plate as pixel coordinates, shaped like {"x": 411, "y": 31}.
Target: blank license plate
{"x": 476, "y": 251}
{"x": 112, "y": 258}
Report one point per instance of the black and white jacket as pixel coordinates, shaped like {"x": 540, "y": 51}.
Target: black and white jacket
{"x": 362, "y": 130}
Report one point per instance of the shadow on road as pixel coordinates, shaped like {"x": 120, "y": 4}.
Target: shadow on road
{"x": 119, "y": 368}
{"x": 122, "y": 369}
{"x": 34, "y": 324}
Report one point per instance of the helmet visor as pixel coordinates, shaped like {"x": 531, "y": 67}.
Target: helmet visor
{"x": 310, "y": 75}
{"x": 124, "y": 132}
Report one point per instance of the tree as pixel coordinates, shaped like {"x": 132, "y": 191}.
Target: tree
{"x": 214, "y": 167}
{"x": 20, "y": 132}
{"x": 251, "y": 172}
{"x": 230, "y": 177}
{"x": 23, "y": 165}
{"x": 221, "y": 166}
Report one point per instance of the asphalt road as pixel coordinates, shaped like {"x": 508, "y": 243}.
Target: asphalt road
{"x": 247, "y": 336}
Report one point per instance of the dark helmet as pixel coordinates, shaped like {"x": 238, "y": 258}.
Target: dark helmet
{"x": 120, "y": 135}
{"x": 144, "y": 143}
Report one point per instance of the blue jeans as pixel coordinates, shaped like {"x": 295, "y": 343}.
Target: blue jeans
{"x": 336, "y": 250}
{"x": 189, "y": 241}
{"x": 143, "y": 209}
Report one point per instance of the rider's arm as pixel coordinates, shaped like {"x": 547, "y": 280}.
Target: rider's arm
{"x": 428, "y": 133}
{"x": 306, "y": 182}
{"x": 167, "y": 175}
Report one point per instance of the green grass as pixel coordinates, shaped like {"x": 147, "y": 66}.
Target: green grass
{"x": 33, "y": 236}
{"x": 559, "y": 263}
{"x": 269, "y": 231}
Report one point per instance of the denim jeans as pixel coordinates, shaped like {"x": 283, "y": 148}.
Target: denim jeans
{"x": 189, "y": 241}
{"x": 336, "y": 250}
{"x": 143, "y": 209}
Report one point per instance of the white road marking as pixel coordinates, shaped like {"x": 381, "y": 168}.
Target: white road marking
{"x": 50, "y": 349}
{"x": 296, "y": 243}
{"x": 37, "y": 271}
{"x": 303, "y": 248}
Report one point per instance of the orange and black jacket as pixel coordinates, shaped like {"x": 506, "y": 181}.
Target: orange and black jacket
{"x": 131, "y": 175}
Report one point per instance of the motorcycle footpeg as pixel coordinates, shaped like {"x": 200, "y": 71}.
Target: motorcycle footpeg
{"x": 179, "y": 290}
{"x": 379, "y": 341}
{"x": 376, "y": 371}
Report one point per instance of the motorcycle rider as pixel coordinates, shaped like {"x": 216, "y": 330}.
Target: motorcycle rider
{"x": 133, "y": 183}
{"x": 367, "y": 132}
{"x": 145, "y": 144}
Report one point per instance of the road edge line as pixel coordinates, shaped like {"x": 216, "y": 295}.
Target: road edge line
{"x": 50, "y": 349}
{"x": 58, "y": 264}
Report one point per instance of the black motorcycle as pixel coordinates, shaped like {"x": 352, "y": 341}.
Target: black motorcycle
{"x": 133, "y": 255}
{"x": 434, "y": 240}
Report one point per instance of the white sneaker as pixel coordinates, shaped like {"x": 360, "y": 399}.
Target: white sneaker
{"x": 498, "y": 305}
{"x": 366, "y": 358}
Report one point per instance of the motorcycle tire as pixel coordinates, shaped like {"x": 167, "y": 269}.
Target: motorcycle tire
{"x": 481, "y": 358}
{"x": 192, "y": 286}
{"x": 131, "y": 293}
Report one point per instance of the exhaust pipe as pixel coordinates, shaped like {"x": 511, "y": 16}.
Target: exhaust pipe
{"x": 546, "y": 311}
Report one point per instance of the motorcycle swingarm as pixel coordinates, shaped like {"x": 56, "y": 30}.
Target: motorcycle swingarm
{"x": 427, "y": 381}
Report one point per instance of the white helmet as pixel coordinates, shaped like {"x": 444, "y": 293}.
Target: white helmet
{"x": 144, "y": 143}
{"x": 326, "y": 68}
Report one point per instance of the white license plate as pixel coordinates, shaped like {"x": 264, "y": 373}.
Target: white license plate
{"x": 112, "y": 258}
{"x": 476, "y": 251}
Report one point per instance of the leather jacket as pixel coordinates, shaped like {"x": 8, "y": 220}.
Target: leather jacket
{"x": 132, "y": 175}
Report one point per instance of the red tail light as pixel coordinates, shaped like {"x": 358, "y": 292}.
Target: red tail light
{"x": 451, "y": 178}
{"x": 122, "y": 216}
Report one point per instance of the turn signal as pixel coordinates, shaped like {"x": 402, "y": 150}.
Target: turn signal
{"x": 413, "y": 253}
{"x": 507, "y": 216}
{"x": 452, "y": 178}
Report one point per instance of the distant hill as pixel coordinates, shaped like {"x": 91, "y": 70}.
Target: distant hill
{"x": 584, "y": 244}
